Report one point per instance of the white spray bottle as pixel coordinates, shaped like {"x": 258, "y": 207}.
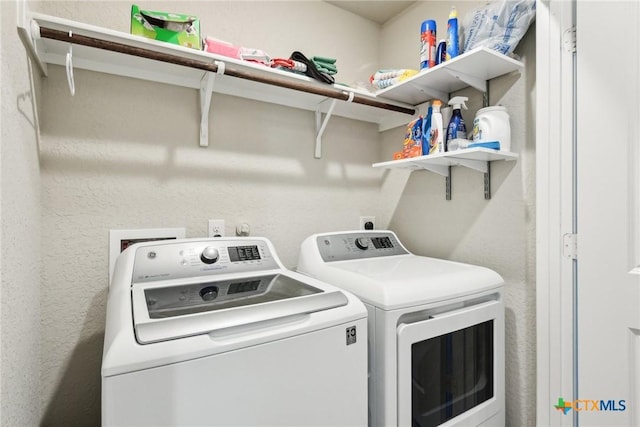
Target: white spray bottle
{"x": 456, "y": 128}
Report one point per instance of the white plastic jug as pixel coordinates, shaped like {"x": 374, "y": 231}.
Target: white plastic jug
{"x": 492, "y": 124}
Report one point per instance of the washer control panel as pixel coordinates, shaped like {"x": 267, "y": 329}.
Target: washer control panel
{"x": 200, "y": 258}
{"x": 347, "y": 246}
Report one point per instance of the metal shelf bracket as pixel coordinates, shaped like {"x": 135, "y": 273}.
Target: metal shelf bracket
{"x": 447, "y": 185}
{"x": 487, "y": 183}
{"x": 443, "y": 170}
{"x": 322, "y": 124}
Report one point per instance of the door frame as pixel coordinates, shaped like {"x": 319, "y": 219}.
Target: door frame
{"x": 554, "y": 209}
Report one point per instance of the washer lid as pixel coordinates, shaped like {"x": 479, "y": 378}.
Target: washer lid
{"x": 164, "y": 312}
{"x": 407, "y": 280}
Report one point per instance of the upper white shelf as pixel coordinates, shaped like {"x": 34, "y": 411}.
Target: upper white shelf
{"x": 54, "y": 51}
{"x": 472, "y": 68}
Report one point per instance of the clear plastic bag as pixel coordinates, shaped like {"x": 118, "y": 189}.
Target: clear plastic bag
{"x": 498, "y": 25}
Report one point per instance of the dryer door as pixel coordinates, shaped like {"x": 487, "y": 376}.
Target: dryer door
{"x": 451, "y": 368}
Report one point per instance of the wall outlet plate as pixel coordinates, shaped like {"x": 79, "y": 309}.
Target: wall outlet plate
{"x": 367, "y": 223}
{"x": 216, "y": 228}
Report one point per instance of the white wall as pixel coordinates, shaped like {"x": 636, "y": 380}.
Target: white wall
{"x": 124, "y": 153}
{"x": 19, "y": 236}
{"x": 499, "y": 233}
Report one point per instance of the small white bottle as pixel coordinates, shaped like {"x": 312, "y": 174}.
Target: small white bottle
{"x": 437, "y": 129}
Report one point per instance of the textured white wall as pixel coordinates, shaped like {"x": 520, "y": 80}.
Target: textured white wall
{"x": 124, "y": 153}
{"x": 499, "y": 233}
{"x": 19, "y": 236}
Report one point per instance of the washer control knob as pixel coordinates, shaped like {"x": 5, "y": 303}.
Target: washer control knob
{"x": 362, "y": 243}
{"x": 209, "y": 255}
{"x": 209, "y": 293}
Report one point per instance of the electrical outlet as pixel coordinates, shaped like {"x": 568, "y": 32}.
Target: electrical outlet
{"x": 367, "y": 222}
{"x": 216, "y": 228}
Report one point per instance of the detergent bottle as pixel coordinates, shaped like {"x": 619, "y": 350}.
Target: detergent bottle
{"x": 426, "y": 132}
{"x": 437, "y": 132}
{"x": 456, "y": 128}
{"x": 453, "y": 40}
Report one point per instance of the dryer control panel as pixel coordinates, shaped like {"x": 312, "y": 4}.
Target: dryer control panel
{"x": 358, "y": 245}
{"x": 174, "y": 260}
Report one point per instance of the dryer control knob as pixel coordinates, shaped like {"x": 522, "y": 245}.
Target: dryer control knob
{"x": 209, "y": 255}
{"x": 361, "y": 243}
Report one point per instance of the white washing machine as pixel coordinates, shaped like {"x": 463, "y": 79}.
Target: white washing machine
{"x": 436, "y": 329}
{"x": 217, "y": 332}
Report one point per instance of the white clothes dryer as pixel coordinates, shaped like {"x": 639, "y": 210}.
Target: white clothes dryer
{"x": 436, "y": 329}
{"x": 217, "y": 332}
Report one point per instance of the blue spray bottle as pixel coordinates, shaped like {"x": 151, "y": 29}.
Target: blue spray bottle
{"x": 456, "y": 128}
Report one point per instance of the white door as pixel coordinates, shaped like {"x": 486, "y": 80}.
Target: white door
{"x": 608, "y": 213}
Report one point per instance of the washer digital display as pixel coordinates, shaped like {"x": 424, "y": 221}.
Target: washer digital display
{"x": 381, "y": 242}
{"x": 243, "y": 253}
{"x": 236, "y": 288}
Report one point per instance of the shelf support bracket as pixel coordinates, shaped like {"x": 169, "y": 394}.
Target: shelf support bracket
{"x": 479, "y": 165}
{"x": 322, "y": 124}
{"x": 206, "y": 91}
{"x": 431, "y": 92}
{"x": 447, "y": 185}
{"x": 487, "y": 182}
{"x": 28, "y": 39}
{"x": 443, "y": 170}
{"x": 474, "y": 82}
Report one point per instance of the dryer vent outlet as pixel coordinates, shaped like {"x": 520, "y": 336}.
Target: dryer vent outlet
{"x": 367, "y": 223}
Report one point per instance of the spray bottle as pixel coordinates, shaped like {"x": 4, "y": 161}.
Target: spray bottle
{"x": 457, "y": 129}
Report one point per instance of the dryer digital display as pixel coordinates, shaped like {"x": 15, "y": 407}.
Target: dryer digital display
{"x": 243, "y": 253}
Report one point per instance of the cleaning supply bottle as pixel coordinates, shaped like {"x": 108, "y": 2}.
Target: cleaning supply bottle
{"x": 456, "y": 128}
{"x": 426, "y": 132}
{"x": 441, "y": 52}
{"x": 428, "y": 44}
{"x": 437, "y": 134}
{"x": 453, "y": 41}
